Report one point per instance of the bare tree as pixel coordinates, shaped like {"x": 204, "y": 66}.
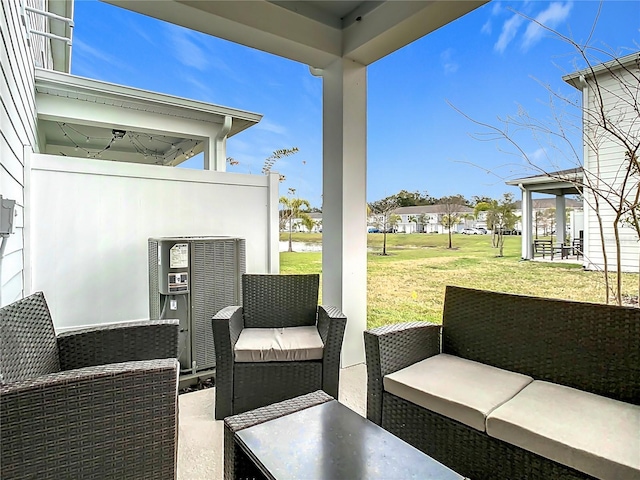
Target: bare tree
{"x": 384, "y": 210}
{"x": 502, "y": 218}
{"x": 609, "y": 122}
{"x": 453, "y": 212}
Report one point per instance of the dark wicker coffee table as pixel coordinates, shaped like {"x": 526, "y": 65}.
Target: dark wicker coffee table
{"x": 315, "y": 437}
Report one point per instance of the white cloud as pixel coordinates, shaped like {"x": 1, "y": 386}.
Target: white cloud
{"x": 538, "y": 156}
{"x": 195, "y": 50}
{"x": 551, "y": 17}
{"x": 268, "y": 126}
{"x": 83, "y": 49}
{"x": 186, "y": 49}
{"x": 134, "y": 26}
{"x": 496, "y": 10}
{"x": 509, "y": 30}
{"x": 450, "y": 66}
{"x": 92, "y": 62}
{"x": 202, "y": 90}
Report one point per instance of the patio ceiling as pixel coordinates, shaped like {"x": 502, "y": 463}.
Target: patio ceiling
{"x": 80, "y": 117}
{"x": 315, "y": 33}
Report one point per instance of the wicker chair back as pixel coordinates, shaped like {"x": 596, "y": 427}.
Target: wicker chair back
{"x": 591, "y": 347}
{"x": 28, "y": 341}
{"x": 274, "y": 301}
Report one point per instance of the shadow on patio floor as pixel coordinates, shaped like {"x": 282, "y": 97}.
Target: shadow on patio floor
{"x": 200, "y": 447}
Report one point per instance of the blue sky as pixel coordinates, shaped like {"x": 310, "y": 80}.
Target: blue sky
{"x": 489, "y": 64}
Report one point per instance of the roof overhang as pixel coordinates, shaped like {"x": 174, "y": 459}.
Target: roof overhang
{"x": 564, "y": 182}
{"x": 315, "y": 33}
{"x": 76, "y": 113}
{"x": 578, "y": 79}
{"x": 60, "y": 50}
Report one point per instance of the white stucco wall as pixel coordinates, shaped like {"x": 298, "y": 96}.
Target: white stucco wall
{"x": 92, "y": 219}
{"x": 604, "y": 167}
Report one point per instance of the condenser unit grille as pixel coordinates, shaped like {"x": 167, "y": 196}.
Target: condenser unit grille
{"x": 154, "y": 294}
{"x": 216, "y": 268}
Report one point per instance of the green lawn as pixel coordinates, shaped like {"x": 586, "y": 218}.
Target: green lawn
{"x": 409, "y": 283}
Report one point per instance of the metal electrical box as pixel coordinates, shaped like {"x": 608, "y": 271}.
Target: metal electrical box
{"x": 192, "y": 278}
{"x": 7, "y": 213}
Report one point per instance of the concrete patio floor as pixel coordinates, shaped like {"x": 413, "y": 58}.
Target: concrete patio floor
{"x": 200, "y": 448}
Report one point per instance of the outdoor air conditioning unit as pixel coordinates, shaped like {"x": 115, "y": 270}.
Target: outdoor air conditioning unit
{"x": 192, "y": 278}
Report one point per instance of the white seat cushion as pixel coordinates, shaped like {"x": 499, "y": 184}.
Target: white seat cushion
{"x": 593, "y": 434}
{"x": 460, "y": 389}
{"x": 291, "y": 344}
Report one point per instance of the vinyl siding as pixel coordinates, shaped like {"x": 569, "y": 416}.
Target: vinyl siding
{"x": 608, "y": 162}
{"x": 17, "y": 131}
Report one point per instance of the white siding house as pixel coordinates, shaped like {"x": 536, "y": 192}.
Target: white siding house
{"x": 86, "y": 206}
{"x": 428, "y": 219}
{"x": 604, "y": 156}
{"x": 18, "y": 132}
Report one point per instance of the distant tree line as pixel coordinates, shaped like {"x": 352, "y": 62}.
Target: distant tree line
{"x": 405, "y": 198}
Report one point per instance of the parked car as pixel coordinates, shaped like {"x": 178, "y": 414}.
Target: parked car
{"x": 373, "y": 230}
{"x": 481, "y": 230}
{"x": 470, "y": 231}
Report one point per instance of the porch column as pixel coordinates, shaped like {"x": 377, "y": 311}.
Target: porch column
{"x": 344, "y": 223}
{"x": 215, "y": 148}
{"x": 527, "y": 224}
{"x": 561, "y": 219}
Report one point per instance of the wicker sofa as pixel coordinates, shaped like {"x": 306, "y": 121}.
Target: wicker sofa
{"x": 513, "y": 387}
{"x": 97, "y": 403}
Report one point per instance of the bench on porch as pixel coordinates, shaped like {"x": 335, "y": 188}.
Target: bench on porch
{"x": 577, "y": 245}
{"x": 543, "y": 247}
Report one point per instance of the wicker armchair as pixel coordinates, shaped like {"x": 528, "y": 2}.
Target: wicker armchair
{"x": 275, "y": 302}
{"x": 98, "y": 403}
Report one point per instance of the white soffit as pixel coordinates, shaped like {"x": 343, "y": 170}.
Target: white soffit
{"x": 315, "y": 33}
{"x": 84, "y": 117}
{"x": 71, "y": 86}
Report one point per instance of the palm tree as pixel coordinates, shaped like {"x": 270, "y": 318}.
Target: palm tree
{"x": 294, "y": 208}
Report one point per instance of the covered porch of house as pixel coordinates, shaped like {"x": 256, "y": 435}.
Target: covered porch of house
{"x": 337, "y": 40}
{"x": 560, "y": 183}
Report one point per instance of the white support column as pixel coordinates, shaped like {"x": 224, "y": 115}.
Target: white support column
{"x": 215, "y": 148}
{"x": 273, "y": 250}
{"x": 561, "y": 219}
{"x": 344, "y": 223}
{"x": 27, "y": 288}
{"x": 527, "y": 224}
